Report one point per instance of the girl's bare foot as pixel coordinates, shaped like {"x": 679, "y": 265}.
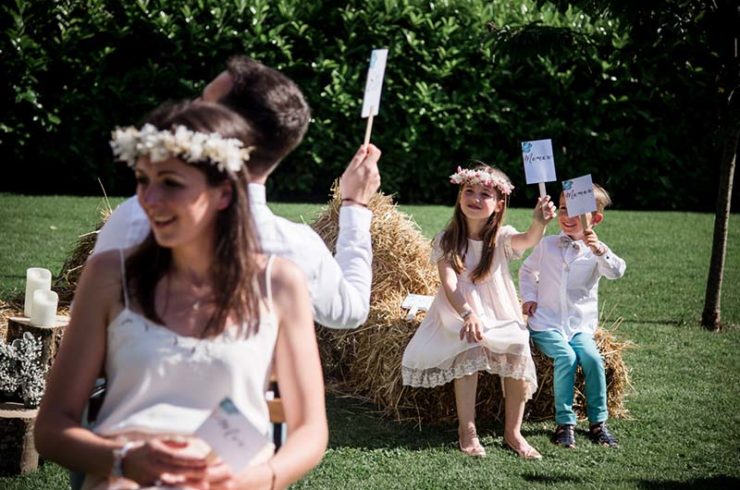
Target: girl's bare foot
{"x": 469, "y": 442}
{"x": 518, "y": 444}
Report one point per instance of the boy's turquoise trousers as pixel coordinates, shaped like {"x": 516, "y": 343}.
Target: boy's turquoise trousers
{"x": 566, "y": 356}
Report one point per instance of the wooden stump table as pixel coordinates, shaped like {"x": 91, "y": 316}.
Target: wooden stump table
{"x": 51, "y": 337}
{"x": 18, "y": 451}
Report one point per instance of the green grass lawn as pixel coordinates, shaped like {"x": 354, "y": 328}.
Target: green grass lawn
{"x": 683, "y": 431}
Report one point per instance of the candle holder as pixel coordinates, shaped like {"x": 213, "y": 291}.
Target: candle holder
{"x": 36, "y": 278}
{"x": 44, "y": 308}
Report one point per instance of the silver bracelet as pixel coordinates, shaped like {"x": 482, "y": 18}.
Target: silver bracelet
{"x": 465, "y": 314}
{"x": 119, "y": 454}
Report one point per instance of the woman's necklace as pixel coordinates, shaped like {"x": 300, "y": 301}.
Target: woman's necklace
{"x": 198, "y": 290}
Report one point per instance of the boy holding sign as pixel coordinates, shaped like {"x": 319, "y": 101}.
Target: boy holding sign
{"x": 559, "y": 285}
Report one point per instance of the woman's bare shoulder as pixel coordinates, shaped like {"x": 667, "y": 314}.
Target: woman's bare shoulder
{"x": 103, "y": 271}
{"x": 286, "y": 275}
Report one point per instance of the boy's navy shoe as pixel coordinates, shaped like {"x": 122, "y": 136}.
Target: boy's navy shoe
{"x": 599, "y": 434}
{"x": 565, "y": 436}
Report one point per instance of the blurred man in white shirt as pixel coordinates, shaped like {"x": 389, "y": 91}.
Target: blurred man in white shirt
{"x": 339, "y": 284}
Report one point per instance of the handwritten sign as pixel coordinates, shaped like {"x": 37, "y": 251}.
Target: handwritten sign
{"x": 539, "y": 162}
{"x": 374, "y": 82}
{"x": 579, "y": 195}
{"x": 232, "y": 436}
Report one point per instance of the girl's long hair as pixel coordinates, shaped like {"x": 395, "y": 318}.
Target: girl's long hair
{"x": 454, "y": 241}
{"x": 233, "y": 266}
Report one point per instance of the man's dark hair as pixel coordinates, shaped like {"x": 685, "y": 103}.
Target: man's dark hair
{"x": 273, "y": 104}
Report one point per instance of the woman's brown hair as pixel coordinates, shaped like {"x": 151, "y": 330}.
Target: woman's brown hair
{"x": 233, "y": 269}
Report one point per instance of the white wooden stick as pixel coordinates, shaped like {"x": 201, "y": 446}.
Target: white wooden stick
{"x": 543, "y": 193}
{"x": 369, "y": 128}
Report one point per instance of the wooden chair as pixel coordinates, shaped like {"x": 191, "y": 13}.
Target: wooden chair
{"x": 277, "y": 414}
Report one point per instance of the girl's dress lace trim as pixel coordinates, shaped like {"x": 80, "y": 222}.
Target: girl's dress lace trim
{"x": 503, "y": 365}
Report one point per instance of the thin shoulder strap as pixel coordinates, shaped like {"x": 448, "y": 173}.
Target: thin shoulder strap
{"x": 123, "y": 277}
{"x": 268, "y": 282}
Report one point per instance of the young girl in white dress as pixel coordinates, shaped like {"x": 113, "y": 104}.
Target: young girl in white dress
{"x": 475, "y": 322}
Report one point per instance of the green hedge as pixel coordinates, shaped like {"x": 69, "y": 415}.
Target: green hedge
{"x": 466, "y": 79}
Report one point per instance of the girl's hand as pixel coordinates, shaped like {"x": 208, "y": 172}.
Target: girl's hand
{"x": 471, "y": 329}
{"x": 591, "y": 239}
{"x": 544, "y": 211}
{"x": 529, "y": 308}
{"x": 166, "y": 462}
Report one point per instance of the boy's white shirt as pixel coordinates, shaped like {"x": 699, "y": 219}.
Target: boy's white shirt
{"x": 562, "y": 277}
{"x": 339, "y": 284}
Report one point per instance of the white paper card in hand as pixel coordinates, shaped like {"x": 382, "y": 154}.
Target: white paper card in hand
{"x": 232, "y": 436}
{"x": 539, "y": 162}
{"x": 579, "y": 195}
{"x": 374, "y": 82}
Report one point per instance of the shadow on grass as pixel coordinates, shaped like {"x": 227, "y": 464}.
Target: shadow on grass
{"x": 553, "y": 479}
{"x": 714, "y": 482}
{"x": 354, "y": 424}
{"x": 357, "y": 425}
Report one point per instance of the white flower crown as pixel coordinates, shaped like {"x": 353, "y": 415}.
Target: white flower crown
{"x": 482, "y": 177}
{"x": 228, "y": 154}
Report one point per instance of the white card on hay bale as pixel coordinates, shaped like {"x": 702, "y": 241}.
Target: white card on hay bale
{"x": 416, "y": 303}
{"x": 366, "y": 363}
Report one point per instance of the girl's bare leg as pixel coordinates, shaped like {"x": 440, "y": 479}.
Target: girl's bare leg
{"x": 465, "y": 394}
{"x": 513, "y": 414}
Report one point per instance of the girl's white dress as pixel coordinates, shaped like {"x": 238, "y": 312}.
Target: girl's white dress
{"x": 436, "y": 355}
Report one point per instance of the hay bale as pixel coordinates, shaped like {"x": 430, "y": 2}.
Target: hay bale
{"x": 397, "y": 271}
{"x": 366, "y": 363}
{"x": 66, "y": 281}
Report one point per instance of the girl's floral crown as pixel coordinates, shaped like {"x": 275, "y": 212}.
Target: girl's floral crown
{"x": 483, "y": 177}
{"x": 228, "y": 154}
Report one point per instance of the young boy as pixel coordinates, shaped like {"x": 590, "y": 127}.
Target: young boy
{"x": 559, "y": 285}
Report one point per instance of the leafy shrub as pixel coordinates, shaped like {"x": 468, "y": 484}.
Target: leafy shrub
{"x": 458, "y": 86}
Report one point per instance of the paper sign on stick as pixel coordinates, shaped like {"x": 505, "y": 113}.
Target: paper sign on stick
{"x": 539, "y": 162}
{"x": 232, "y": 436}
{"x": 579, "y": 195}
{"x": 374, "y": 83}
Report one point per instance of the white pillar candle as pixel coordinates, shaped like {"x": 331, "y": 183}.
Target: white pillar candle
{"x": 36, "y": 278}
{"x": 44, "y": 308}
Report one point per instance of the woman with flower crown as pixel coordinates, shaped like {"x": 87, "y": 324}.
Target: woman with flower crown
{"x": 191, "y": 317}
{"x": 475, "y": 322}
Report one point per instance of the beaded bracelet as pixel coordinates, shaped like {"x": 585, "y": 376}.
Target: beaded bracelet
{"x": 352, "y": 201}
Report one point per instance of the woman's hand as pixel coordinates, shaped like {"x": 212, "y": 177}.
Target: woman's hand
{"x": 471, "y": 328}
{"x": 253, "y": 477}
{"x": 166, "y": 461}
